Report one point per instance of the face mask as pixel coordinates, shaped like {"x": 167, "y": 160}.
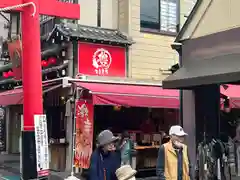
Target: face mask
{"x": 177, "y": 144}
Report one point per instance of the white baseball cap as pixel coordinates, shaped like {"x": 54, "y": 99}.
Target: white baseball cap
{"x": 177, "y": 130}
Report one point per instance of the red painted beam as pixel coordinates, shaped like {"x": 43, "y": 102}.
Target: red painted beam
{"x": 50, "y": 7}
{"x": 59, "y": 9}
{"x": 7, "y": 3}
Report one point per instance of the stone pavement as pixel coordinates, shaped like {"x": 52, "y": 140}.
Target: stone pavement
{"x": 10, "y": 169}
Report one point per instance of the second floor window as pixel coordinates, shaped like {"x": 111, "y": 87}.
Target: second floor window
{"x": 160, "y": 15}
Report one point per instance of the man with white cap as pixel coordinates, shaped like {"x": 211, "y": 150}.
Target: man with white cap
{"x": 173, "y": 161}
{"x": 105, "y": 160}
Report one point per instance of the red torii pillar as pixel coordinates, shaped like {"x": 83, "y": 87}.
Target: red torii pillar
{"x": 31, "y": 63}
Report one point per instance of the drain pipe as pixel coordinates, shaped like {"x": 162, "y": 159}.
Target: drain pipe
{"x": 178, "y": 47}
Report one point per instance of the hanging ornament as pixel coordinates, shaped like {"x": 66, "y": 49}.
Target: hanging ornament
{"x": 52, "y": 60}
{"x": 44, "y": 63}
{"x": 10, "y": 74}
{"x": 5, "y": 74}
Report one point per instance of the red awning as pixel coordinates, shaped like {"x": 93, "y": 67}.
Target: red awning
{"x": 233, "y": 93}
{"x": 15, "y": 96}
{"x": 11, "y": 97}
{"x": 132, "y": 95}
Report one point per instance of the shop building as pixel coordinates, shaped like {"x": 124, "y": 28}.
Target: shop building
{"x": 208, "y": 45}
{"x": 118, "y": 85}
{"x": 109, "y": 98}
{"x": 82, "y": 64}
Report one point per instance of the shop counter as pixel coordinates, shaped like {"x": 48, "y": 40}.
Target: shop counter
{"x": 146, "y": 157}
{"x": 57, "y": 156}
{"x": 146, "y": 147}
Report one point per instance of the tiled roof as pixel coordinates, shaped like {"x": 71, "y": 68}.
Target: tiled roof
{"x": 82, "y": 32}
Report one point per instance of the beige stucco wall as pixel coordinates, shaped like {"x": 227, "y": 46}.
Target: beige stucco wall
{"x": 124, "y": 13}
{"x": 109, "y": 13}
{"x": 88, "y": 12}
{"x": 213, "y": 16}
{"x": 151, "y": 53}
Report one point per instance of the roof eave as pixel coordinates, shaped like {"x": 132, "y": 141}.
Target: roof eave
{"x": 58, "y": 28}
{"x": 104, "y": 41}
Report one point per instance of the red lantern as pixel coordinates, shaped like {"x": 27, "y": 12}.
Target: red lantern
{"x": 44, "y": 63}
{"x": 52, "y": 60}
{"x": 5, "y": 74}
{"x": 10, "y": 73}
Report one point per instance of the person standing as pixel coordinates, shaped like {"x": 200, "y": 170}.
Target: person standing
{"x": 106, "y": 159}
{"x": 173, "y": 162}
{"x": 127, "y": 149}
{"x": 165, "y": 139}
{"x": 237, "y": 150}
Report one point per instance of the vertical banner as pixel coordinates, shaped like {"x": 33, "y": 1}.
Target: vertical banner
{"x": 84, "y": 133}
{"x": 41, "y": 140}
{"x": 15, "y": 53}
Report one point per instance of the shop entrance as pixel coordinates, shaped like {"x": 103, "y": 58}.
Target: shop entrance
{"x": 207, "y": 102}
{"x": 144, "y": 110}
{"x": 146, "y": 127}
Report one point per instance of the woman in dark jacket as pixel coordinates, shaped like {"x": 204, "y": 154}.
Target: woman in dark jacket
{"x": 105, "y": 160}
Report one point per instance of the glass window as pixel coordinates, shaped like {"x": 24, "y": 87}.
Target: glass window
{"x": 159, "y": 15}
{"x": 150, "y": 14}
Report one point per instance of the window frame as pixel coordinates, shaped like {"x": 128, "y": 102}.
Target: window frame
{"x": 99, "y": 13}
{"x": 158, "y": 30}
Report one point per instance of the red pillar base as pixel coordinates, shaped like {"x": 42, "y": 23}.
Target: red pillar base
{"x": 29, "y": 170}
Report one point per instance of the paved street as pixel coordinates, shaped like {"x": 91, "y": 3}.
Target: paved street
{"x": 10, "y": 177}
{"x": 10, "y": 169}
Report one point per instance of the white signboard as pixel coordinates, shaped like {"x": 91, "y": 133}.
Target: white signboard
{"x": 41, "y": 140}
{"x": 20, "y": 144}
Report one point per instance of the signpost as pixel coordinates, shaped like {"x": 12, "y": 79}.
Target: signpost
{"x": 41, "y": 140}
{"x": 31, "y": 66}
